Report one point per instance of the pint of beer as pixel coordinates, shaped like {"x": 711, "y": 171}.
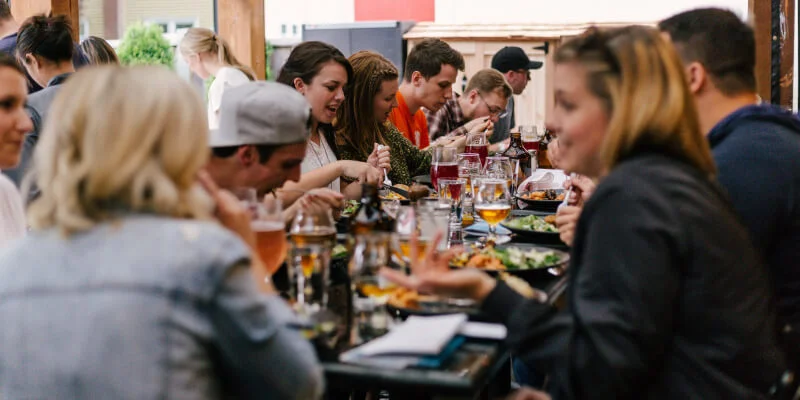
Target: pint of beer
{"x": 271, "y": 243}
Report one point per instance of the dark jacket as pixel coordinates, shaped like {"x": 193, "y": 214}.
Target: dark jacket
{"x": 667, "y": 298}
{"x": 757, "y": 151}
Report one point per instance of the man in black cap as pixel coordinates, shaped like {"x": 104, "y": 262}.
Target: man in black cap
{"x": 515, "y": 66}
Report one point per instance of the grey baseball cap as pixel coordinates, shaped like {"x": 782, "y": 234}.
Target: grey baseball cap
{"x": 261, "y": 113}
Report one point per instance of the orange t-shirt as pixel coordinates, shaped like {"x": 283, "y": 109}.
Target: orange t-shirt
{"x": 414, "y": 128}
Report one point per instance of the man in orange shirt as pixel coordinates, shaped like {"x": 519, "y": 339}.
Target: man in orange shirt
{"x": 428, "y": 78}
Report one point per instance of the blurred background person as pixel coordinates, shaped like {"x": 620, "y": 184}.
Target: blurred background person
{"x": 98, "y": 51}
{"x": 515, "y": 65}
{"x": 14, "y": 124}
{"x": 45, "y": 47}
{"x": 320, "y": 72}
{"x": 208, "y": 55}
{"x": 120, "y": 191}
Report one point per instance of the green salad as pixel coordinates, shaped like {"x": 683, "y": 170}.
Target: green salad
{"x": 339, "y": 251}
{"x": 514, "y": 258}
{"x": 350, "y": 207}
{"x": 531, "y": 223}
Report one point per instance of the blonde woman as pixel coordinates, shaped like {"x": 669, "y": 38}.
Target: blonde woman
{"x": 209, "y": 55}
{"x": 668, "y": 298}
{"x": 127, "y": 288}
{"x": 14, "y": 124}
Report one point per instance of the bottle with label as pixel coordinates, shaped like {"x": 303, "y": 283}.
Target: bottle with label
{"x": 520, "y": 159}
{"x": 544, "y": 162}
{"x": 370, "y": 216}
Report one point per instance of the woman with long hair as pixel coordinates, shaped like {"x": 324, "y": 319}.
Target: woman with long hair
{"x": 667, "y": 297}
{"x": 14, "y": 124}
{"x": 320, "y": 72}
{"x": 138, "y": 292}
{"x": 207, "y": 55}
{"x": 98, "y": 51}
{"x": 363, "y": 119}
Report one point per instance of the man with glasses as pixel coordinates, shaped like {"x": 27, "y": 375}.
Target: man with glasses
{"x": 483, "y": 103}
{"x": 515, "y": 65}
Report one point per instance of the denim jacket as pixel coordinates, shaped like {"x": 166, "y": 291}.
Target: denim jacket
{"x": 145, "y": 307}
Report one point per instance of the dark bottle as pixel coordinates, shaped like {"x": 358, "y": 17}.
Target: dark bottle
{"x": 519, "y": 157}
{"x": 544, "y": 162}
{"x": 370, "y": 216}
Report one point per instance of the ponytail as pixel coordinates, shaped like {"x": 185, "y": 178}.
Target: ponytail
{"x": 202, "y": 40}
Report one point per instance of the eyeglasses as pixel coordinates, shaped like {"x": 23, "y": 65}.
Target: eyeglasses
{"x": 494, "y": 111}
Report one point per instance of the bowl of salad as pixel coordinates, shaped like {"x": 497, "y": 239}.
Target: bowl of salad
{"x": 529, "y": 262}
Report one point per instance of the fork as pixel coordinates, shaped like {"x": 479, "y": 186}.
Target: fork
{"x": 386, "y": 180}
{"x": 569, "y": 191}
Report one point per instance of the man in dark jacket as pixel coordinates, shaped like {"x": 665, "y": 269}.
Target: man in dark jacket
{"x": 756, "y": 146}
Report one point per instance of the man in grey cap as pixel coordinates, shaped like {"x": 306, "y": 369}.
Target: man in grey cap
{"x": 261, "y": 140}
{"x": 515, "y": 65}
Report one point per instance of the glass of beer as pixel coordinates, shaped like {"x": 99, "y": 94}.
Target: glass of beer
{"x": 492, "y": 202}
{"x": 370, "y": 289}
{"x": 444, "y": 164}
{"x": 313, "y": 236}
{"x": 268, "y": 226}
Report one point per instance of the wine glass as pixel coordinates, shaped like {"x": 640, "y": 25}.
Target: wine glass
{"x": 492, "y": 202}
{"x": 478, "y": 144}
{"x": 370, "y": 289}
{"x": 444, "y": 164}
{"x": 313, "y": 235}
{"x": 268, "y": 226}
{"x": 405, "y": 227}
{"x": 499, "y": 167}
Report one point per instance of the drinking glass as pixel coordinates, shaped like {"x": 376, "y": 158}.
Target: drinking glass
{"x": 313, "y": 236}
{"x": 370, "y": 289}
{"x": 433, "y": 217}
{"x": 248, "y": 197}
{"x": 268, "y": 226}
{"x": 469, "y": 167}
{"x": 478, "y": 144}
{"x": 492, "y": 202}
{"x": 444, "y": 164}
{"x": 499, "y": 167}
{"x": 405, "y": 227}
{"x": 451, "y": 192}
{"x": 530, "y": 137}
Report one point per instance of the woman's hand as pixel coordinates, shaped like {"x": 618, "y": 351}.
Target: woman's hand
{"x": 566, "y": 222}
{"x": 358, "y": 169}
{"x": 582, "y": 189}
{"x": 229, "y": 210}
{"x": 432, "y": 274}
{"x": 380, "y": 159}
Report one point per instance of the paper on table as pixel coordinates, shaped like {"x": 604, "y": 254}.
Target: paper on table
{"x": 540, "y": 174}
{"x": 483, "y": 330}
{"x": 416, "y": 336}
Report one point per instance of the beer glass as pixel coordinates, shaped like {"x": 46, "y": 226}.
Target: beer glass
{"x": 248, "y": 197}
{"x": 313, "y": 236}
{"x": 478, "y": 144}
{"x": 492, "y": 202}
{"x": 268, "y": 226}
{"x": 444, "y": 164}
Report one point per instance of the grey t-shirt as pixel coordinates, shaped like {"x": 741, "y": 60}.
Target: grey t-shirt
{"x": 504, "y": 125}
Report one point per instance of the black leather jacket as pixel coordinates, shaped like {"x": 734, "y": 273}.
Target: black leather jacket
{"x": 667, "y": 297}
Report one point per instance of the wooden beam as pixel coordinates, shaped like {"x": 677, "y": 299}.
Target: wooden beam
{"x": 23, "y": 9}
{"x": 786, "y": 31}
{"x": 241, "y": 24}
{"x": 761, "y": 17}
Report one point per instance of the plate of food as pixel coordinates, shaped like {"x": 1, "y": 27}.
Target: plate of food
{"x": 404, "y": 302}
{"x": 534, "y": 228}
{"x": 542, "y": 200}
{"x": 526, "y": 261}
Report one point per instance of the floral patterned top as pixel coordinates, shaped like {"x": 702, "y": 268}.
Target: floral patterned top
{"x": 407, "y": 160}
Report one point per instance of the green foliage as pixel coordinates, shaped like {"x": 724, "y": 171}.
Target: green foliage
{"x": 145, "y": 44}
{"x": 269, "y": 50}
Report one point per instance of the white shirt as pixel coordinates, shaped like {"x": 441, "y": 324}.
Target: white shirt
{"x": 226, "y": 77}
{"x": 319, "y": 155}
{"x": 12, "y": 213}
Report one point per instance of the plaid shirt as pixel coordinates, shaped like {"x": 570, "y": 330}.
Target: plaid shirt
{"x": 448, "y": 121}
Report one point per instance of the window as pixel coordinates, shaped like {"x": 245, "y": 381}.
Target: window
{"x": 283, "y": 29}
{"x": 173, "y": 25}
{"x": 294, "y": 30}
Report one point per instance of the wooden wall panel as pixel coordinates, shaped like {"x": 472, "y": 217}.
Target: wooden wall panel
{"x": 23, "y": 9}
{"x": 241, "y": 23}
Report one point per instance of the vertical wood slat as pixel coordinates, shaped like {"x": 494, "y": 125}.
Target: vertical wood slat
{"x": 241, "y": 24}
{"x": 761, "y": 17}
{"x": 23, "y": 9}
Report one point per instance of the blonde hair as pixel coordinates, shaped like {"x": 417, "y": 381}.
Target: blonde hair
{"x": 120, "y": 140}
{"x": 489, "y": 80}
{"x": 203, "y": 40}
{"x": 641, "y": 80}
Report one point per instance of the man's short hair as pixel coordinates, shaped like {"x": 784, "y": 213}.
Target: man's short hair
{"x": 489, "y": 80}
{"x": 428, "y": 56}
{"x": 265, "y": 151}
{"x": 720, "y": 41}
{"x": 5, "y": 10}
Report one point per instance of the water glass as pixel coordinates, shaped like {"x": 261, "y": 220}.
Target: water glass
{"x": 313, "y": 236}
